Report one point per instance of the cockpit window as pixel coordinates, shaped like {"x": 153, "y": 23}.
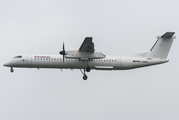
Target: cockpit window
{"x": 18, "y": 57}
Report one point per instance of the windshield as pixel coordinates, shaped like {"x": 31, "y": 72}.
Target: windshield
{"x": 18, "y": 57}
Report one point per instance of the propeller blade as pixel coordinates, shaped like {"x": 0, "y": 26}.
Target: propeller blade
{"x": 63, "y": 57}
{"x": 63, "y": 47}
{"x": 63, "y": 52}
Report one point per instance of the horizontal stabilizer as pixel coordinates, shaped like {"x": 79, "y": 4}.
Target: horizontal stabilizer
{"x": 168, "y": 35}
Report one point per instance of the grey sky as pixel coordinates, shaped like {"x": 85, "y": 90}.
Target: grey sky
{"x": 117, "y": 28}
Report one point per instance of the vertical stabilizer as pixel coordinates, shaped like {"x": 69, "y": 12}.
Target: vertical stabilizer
{"x": 162, "y": 46}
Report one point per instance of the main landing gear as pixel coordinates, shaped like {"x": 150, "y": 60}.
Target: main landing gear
{"x": 85, "y": 77}
{"x": 88, "y": 69}
{"x": 11, "y": 70}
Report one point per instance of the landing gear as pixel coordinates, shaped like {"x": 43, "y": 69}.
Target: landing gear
{"x": 87, "y": 66}
{"x": 85, "y": 77}
{"x": 88, "y": 69}
{"x": 11, "y": 70}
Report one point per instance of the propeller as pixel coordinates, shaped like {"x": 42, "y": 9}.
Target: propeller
{"x": 63, "y": 52}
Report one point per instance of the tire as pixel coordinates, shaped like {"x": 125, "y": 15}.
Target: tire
{"x": 85, "y": 77}
{"x": 88, "y": 69}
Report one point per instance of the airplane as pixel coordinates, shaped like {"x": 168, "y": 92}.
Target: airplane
{"x": 86, "y": 58}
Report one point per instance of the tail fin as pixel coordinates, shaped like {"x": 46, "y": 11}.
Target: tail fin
{"x": 162, "y": 46}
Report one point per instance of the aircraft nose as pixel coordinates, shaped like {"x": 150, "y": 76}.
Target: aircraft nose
{"x": 8, "y": 64}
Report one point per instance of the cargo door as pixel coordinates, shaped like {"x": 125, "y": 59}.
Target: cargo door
{"x": 29, "y": 59}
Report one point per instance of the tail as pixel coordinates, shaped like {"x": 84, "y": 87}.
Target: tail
{"x": 162, "y": 46}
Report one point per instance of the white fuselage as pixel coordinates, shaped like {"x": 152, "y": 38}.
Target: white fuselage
{"x": 108, "y": 63}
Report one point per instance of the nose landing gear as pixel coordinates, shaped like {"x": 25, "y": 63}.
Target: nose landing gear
{"x": 11, "y": 70}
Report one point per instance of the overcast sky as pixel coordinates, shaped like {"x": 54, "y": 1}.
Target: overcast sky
{"x": 118, "y": 28}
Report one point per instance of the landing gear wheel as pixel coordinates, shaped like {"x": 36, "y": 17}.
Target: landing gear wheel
{"x": 88, "y": 69}
{"x": 11, "y": 70}
{"x": 85, "y": 77}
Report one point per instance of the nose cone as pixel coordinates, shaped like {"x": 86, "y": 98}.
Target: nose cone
{"x": 8, "y": 64}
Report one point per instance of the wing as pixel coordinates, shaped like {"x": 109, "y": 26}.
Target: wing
{"x": 87, "y": 45}
{"x": 85, "y": 52}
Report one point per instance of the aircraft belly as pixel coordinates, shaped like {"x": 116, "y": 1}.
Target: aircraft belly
{"x": 57, "y": 64}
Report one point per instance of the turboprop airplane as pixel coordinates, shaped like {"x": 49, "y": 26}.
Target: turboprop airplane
{"x": 86, "y": 58}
